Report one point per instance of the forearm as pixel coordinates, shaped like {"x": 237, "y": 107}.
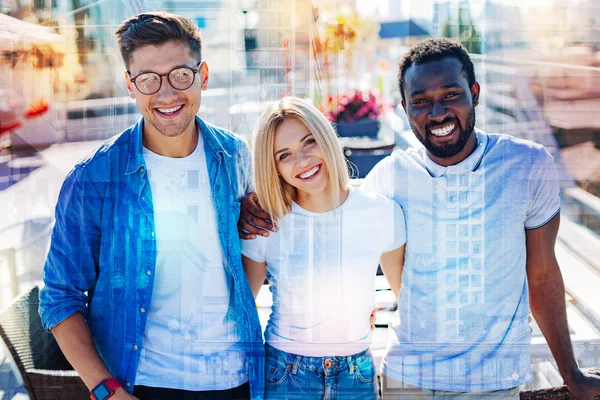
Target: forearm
{"x": 75, "y": 340}
{"x": 393, "y": 276}
{"x": 547, "y": 301}
{"x": 255, "y": 273}
{"x": 392, "y": 264}
{"x": 256, "y": 284}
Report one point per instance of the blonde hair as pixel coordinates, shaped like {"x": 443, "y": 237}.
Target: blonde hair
{"x": 274, "y": 194}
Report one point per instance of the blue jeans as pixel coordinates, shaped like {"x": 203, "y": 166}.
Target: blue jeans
{"x": 291, "y": 376}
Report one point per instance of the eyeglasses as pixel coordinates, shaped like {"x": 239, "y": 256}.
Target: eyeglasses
{"x": 150, "y": 82}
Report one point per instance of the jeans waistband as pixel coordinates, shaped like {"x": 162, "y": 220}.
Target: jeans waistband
{"x": 333, "y": 363}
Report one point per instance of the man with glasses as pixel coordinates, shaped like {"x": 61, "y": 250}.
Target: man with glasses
{"x": 144, "y": 289}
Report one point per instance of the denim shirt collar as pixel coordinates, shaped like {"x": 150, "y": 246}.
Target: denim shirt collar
{"x": 135, "y": 159}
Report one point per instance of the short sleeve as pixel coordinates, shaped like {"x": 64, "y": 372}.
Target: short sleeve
{"x": 394, "y": 230}
{"x": 544, "y": 192}
{"x": 255, "y": 249}
{"x": 381, "y": 178}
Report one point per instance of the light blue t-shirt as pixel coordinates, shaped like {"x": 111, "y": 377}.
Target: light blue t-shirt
{"x": 462, "y": 321}
{"x": 190, "y": 341}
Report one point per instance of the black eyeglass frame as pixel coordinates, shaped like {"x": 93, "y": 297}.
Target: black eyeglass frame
{"x": 168, "y": 75}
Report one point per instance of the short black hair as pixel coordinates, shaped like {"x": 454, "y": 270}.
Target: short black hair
{"x": 435, "y": 49}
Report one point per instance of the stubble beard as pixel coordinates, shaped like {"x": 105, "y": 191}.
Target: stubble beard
{"x": 451, "y": 149}
{"x": 170, "y": 128}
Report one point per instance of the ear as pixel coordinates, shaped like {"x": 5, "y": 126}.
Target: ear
{"x": 404, "y": 105}
{"x": 203, "y": 75}
{"x": 475, "y": 93}
{"x": 129, "y": 86}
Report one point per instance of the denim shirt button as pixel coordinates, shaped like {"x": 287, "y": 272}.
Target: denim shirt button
{"x": 142, "y": 169}
{"x": 142, "y": 309}
{"x": 134, "y": 347}
{"x": 152, "y": 233}
{"x": 127, "y": 384}
{"x": 149, "y": 272}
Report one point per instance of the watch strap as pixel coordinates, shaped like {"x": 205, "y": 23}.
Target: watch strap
{"x": 113, "y": 384}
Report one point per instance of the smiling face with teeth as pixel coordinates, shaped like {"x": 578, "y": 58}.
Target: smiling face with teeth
{"x": 300, "y": 162}
{"x": 440, "y": 107}
{"x": 169, "y": 113}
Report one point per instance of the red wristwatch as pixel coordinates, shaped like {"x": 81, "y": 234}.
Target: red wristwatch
{"x": 105, "y": 389}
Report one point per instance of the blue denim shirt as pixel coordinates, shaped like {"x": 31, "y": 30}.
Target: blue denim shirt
{"x": 102, "y": 257}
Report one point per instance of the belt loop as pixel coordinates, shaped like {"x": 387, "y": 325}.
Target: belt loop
{"x": 296, "y": 364}
{"x": 350, "y": 364}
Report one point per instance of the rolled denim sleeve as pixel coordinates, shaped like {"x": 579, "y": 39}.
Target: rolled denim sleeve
{"x": 71, "y": 267}
{"x": 244, "y": 167}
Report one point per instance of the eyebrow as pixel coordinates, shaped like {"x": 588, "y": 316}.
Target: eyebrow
{"x": 175, "y": 67}
{"x": 446, "y": 86}
{"x": 300, "y": 141}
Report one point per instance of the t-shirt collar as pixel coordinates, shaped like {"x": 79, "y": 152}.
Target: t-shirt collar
{"x": 469, "y": 164}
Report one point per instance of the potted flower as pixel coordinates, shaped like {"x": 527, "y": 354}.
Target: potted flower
{"x": 355, "y": 114}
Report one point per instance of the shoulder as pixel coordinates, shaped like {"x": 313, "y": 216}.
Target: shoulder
{"x": 370, "y": 198}
{"x": 109, "y": 154}
{"x": 377, "y": 217}
{"x": 398, "y": 164}
{"x": 391, "y": 164}
{"x": 523, "y": 150}
{"x": 368, "y": 202}
{"x": 229, "y": 140}
{"x": 406, "y": 156}
{"x": 112, "y": 146}
{"x": 409, "y": 159}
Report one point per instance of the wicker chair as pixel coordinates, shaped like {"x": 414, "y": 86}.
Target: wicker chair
{"x": 47, "y": 375}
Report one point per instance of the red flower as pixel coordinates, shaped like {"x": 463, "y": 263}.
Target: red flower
{"x": 10, "y": 127}
{"x": 36, "y": 109}
{"x": 352, "y": 106}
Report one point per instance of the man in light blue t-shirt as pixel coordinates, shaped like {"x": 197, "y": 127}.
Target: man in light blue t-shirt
{"x": 482, "y": 215}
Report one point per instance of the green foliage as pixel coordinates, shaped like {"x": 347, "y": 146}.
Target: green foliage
{"x": 464, "y": 31}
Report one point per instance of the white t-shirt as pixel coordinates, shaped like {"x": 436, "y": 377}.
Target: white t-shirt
{"x": 322, "y": 268}
{"x": 462, "y": 320}
{"x": 190, "y": 342}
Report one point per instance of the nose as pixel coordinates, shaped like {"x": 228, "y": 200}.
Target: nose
{"x": 166, "y": 92}
{"x": 303, "y": 158}
{"x": 438, "y": 112}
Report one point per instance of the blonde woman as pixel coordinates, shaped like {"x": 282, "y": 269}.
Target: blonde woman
{"x": 323, "y": 259}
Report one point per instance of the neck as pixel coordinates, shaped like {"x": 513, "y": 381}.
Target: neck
{"x": 464, "y": 153}
{"x": 320, "y": 202}
{"x": 178, "y": 146}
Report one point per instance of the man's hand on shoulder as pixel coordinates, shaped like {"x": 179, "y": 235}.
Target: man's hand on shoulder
{"x": 253, "y": 219}
{"x": 585, "y": 385}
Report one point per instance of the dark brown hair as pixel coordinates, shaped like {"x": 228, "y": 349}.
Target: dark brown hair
{"x": 157, "y": 28}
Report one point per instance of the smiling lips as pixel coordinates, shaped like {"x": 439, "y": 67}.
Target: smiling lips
{"x": 169, "y": 111}
{"x": 444, "y": 130}
{"x": 307, "y": 174}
